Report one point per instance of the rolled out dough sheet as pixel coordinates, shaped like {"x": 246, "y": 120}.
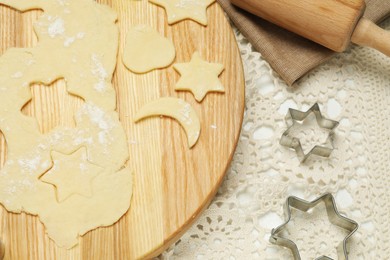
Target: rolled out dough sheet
{"x": 78, "y": 41}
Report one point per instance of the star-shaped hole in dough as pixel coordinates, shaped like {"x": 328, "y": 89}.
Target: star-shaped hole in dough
{"x": 199, "y": 77}
{"x": 178, "y": 10}
{"x": 71, "y": 174}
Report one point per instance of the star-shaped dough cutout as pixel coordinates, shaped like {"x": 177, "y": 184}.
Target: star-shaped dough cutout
{"x": 199, "y": 77}
{"x": 71, "y": 174}
{"x": 178, "y": 10}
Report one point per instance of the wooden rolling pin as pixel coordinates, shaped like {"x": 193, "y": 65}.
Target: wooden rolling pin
{"x": 331, "y": 23}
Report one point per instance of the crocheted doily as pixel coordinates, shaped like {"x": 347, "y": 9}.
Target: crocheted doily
{"x": 353, "y": 88}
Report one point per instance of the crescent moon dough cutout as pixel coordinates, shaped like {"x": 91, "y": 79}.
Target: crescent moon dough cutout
{"x": 147, "y": 50}
{"x": 175, "y": 108}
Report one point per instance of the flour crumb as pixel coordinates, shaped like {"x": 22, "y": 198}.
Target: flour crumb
{"x": 83, "y": 167}
{"x": 42, "y": 146}
{"x": 213, "y": 126}
{"x": 10, "y": 189}
{"x": 97, "y": 116}
{"x": 68, "y": 41}
{"x": 56, "y": 28}
{"x": 185, "y": 113}
{"x": 30, "y": 164}
{"x": 30, "y": 62}
{"x": 45, "y": 165}
{"x": 63, "y": 2}
{"x": 187, "y": 4}
{"x": 102, "y": 137}
{"x": 80, "y": 35}
{"x": 81, "y": 140}
{"x": 100, "y": 72}
{"x": 98, "y": 68}
{"x": 100, "y": 86}
{"x": 17, "y": 75}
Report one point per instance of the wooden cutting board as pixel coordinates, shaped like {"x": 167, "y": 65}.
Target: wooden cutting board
{"x": 172, "y": 184}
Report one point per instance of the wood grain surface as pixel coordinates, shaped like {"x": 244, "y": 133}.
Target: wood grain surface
{"x": 327, "y": 22}
{"x": 172, "y": 184}
{"x": 371, "y": 35}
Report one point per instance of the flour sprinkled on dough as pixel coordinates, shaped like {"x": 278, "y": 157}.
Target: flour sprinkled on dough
{"x": 56, "y": 28}
{"x": 17, "y": 75}
{"x": 66, "y": 176}
{"x": 30, "y": 164}
{"x": 99, "y": 71}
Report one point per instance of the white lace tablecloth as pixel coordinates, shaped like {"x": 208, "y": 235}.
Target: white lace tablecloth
{"x": 353, "y": 88}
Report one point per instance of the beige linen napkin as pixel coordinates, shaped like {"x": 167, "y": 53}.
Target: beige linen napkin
{"x": 289, "y": 54}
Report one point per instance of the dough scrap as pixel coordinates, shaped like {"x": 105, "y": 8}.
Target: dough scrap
{"x": 178, "y": 10}
{"x": 175, "y": 108}
{"x": 72, "y": 45}
{"x": 146, "y": 50}
{"x": 199, "y": 77}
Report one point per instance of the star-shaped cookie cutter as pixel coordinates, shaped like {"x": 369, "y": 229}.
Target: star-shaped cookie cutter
{"x": 333, "y": 215}
{"x": 294, "y": 143}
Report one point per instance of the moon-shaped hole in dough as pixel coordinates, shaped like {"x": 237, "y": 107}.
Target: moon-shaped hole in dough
{"x": 22, "y": 25}
{"x": 52, "y": 114}
{"x": 3, "y": 150}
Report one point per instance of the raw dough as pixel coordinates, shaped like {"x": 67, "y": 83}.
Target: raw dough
{"x": 175, "y": 108}
{"x": 71, "y": 174}
{"x": 178, "y": 10}
{"x": 78, "y": 41}
{"x": 199, "y": 77}
{"x": 146, "y": 50}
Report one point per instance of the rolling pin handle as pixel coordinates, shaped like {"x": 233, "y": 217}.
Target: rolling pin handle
{"x": 371, "y": 35}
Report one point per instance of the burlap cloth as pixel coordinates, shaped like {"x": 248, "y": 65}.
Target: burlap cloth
{"x": 289, "y": 54}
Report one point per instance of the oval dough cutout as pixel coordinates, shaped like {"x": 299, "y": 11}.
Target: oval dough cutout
{"x": 175, "y": 108}
{"x": 146, "y": 50}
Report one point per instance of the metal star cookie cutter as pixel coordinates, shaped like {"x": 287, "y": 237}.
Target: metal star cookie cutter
{"x": 294, "y": 143}
{"x": 333, "y": 215}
